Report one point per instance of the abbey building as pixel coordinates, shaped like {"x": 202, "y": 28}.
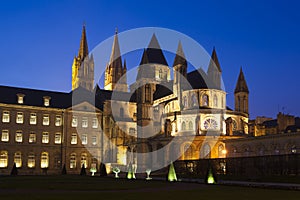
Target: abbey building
{"x": 43, "y": 131}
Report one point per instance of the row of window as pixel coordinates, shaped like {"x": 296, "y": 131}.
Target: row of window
{"x": 31, "y": 158}
{"x": 20, "y": 99}
{"x": 84, "y": 122}
{"x": 19, "y": 137}
{"x": 46, "y": 120}
{"x": 32, "y": 118}
{"x": 44, "y": 160}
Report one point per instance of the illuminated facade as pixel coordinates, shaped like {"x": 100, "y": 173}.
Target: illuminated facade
{"x": 41, "y": 131}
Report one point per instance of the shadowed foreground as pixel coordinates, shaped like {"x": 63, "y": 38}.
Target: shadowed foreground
{"x": 78, "y": 187}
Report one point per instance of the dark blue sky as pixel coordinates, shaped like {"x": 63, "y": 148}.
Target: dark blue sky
{"x": 40, "y": 38}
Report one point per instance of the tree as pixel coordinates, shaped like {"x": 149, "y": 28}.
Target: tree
{"x": 82, "y": 171}
{"x": 14, "y": 171}
{"x": 64, "y": 170}
{"x": 172, "y": 174}
{"x": 103, "y": 171}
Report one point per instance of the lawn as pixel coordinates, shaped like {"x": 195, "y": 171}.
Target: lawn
{"x": 85, "y": 187}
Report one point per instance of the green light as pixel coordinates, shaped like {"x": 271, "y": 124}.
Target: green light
{"x": 172, "y": 173}
{"x": 210, "y": 177}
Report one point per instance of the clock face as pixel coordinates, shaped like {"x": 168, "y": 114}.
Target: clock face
{"x": 210, "y": 124}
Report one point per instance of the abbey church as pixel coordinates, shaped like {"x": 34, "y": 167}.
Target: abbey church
{"x": 150, "y": 123}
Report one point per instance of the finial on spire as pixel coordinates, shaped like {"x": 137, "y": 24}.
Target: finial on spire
{"x": 116, "y": 30}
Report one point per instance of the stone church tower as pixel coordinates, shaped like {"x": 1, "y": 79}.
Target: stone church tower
{"x": 180, "y": 71}
{"x": 83, "y": 66}
{"x": 115, "y": 73}
{"x": 241, "y": 94}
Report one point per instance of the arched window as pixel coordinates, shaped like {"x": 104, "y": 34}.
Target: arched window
{"x": 73, "y": 161}
{"x": 18, "y": 159}
{"x": 190, "y": 125}
{"x": 210, "y": 124}
{"x": 188, "y": 152}
{"x": 83, "y": 160}
{"x": 205, "y": 151}
{"x": 221, "y": 151}
{"x": 215, "y": 101}
{"x": 194, "y": 100}
{"x": 205, "y": 100}
{"x": 3, "y": 159}
{"x": 183, "y": 126}
{"x": 44, "y": 160}
{"x": 31, "y": 160}
{"x": 147, "y": 93}
{"x": 234, "y": 125}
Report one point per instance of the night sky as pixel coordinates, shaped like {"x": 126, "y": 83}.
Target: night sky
{"x": 39, "y": 39}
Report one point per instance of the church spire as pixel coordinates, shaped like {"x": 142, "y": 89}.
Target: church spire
{"x": 83, "y": 49}
{"x": 241, "y": 85}
{"x": 214, "y": 71}
{"x": 180, "y": 57}
{"x": 115, "y": 70}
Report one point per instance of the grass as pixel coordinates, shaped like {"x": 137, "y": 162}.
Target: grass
{"x": 78, "y": 187}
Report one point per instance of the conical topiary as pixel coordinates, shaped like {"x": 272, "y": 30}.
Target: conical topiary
{"x": 64, "y": 170}
{"x": 82, "y": 171}
{"x": 172, "y": 174}
{"x": 210, "y": 176}
{"x": 103, "y": 171}
{"x": 14, "y": 170}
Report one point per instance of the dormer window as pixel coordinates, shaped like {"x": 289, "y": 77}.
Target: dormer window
{"x": 20, "y": 98}
{"x": 47, "y": 101}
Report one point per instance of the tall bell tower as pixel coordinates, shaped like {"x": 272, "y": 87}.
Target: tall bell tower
{"x": 83, "y": 66}
{"x": 241, "y": 94}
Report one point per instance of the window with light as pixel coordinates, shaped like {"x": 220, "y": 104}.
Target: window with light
{"x": 33, "y": 118}
{"x": 18, "y": 159}
{"x": 44, "y": 160}
{"x": 74, "y": 121}
{"x": 73, "y": 161}
{"x": 45, "y": 137}
{"x": 83, "y": 160}
{"x": 5, "y": 117}
{"x": 20, "y": 98}
{"x": 84, "y": 122}
{"x": 95, "y": 123}
{"x": 32, "y": 137}
{"x": 31, "y": 160}
{"x": 84, "y": 139}
{"x": 19, "y": 118}
{"x": 19, "y": 136}
{"x": 46, "y": 120}
{"x": 94, "y": 140}
{"x": 5, "y": 136}
{"x": 74, "y": 138}
{"x": 57, "y": 139}
{"x": 3, "y": 159}
{"x": 58, "y": 120}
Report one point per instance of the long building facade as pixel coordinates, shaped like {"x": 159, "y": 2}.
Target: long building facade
{"x": 43, "y": 131}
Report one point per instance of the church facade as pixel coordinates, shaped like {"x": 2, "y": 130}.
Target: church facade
{"x": 150, "y": 123}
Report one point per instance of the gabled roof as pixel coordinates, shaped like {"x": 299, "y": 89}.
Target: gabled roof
{"x": 241, "y": 85}
{"x": 35, "y": 97}
{"x": 163, "y": 90}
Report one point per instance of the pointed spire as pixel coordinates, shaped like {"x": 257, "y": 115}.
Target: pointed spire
{"x": 153, "y": 43}
{"x": 214, "y": 58}
{"x": 180, "y": 57}
{"x": 145, "y": 59}
{"x": 115, "y": 52}
{"x": 241, "y": 85}
{"x": 83, "y": 49}
{"x": 153, "y": 53}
